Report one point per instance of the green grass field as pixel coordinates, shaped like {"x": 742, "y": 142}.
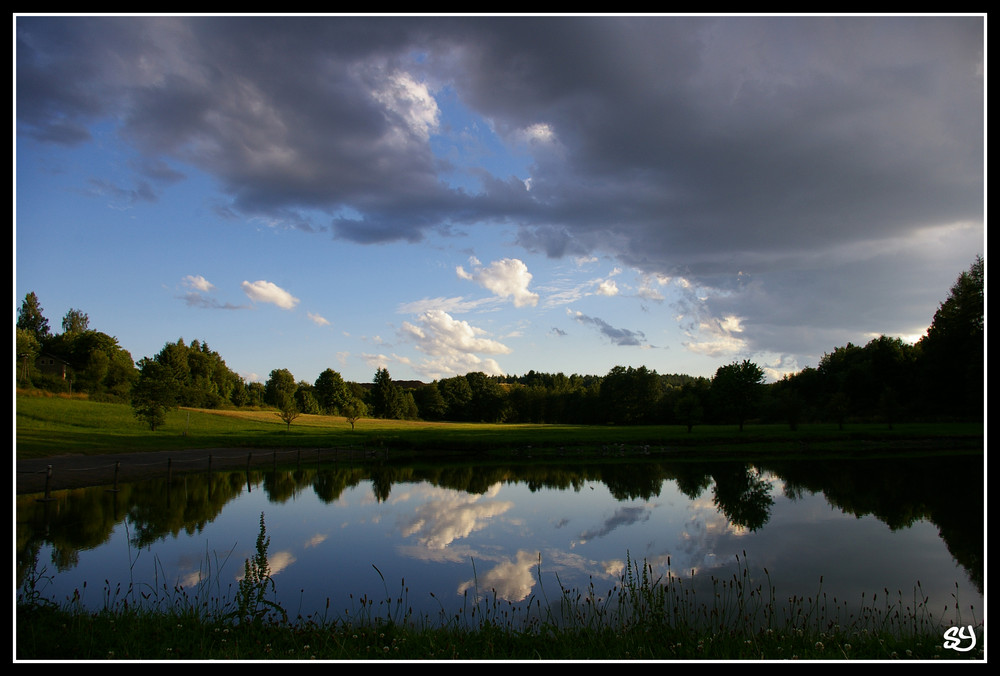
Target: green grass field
{"x": 57, "y": 425}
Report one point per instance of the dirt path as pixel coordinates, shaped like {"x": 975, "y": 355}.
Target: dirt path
{"x": 77, "y": 471}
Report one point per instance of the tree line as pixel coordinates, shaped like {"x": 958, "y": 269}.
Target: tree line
{"x": 938, "y": 378}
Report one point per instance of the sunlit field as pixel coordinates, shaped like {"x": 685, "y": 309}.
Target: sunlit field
{"x": 55, "y": 425}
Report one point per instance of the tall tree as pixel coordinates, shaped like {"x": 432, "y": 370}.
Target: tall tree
{"x": 386, "y": 396}
{"x": 488, "y": 400}
{"x": 31, "y": 319}
{"x": 629, "y": 395}
{"x": 736, "y": 389}
{"x": 279, "y": 390}
{"x": 952, "y": 352}
{"x": 457, "y": 393}
{"x": 331, "y": 392}
{"x": 154, "y": 393}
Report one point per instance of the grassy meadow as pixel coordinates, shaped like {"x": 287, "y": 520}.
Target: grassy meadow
{"x": 59, "y": 425}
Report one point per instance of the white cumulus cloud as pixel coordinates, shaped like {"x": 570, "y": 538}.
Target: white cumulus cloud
{"x": 269, "y": 292}
{"x": 198, "y": 283}
{"x": 453, "y": 345}
{"x": 506, "y": 278}
{"x": 607, "y": 288}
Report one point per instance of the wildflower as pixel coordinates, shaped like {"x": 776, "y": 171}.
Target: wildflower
{"x": 847, "y": 646}
{"x": 909, "y": 653}
{"x": 819, "y": 645}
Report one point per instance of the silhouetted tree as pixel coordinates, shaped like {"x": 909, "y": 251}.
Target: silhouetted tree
{"x": 629, "y": 395}
{"x": 688, "y": 409}
{"x": 951, "y": 354}
{"x": 737, "y": 389}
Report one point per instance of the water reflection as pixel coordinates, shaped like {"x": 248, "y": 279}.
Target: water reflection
{"x": 463, "y": 529}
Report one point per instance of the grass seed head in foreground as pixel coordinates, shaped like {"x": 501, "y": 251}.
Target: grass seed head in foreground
{"x": 645, "y": 616}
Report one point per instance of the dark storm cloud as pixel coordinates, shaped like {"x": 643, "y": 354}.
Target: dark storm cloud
{"x": 625, "y": 516}
{"x": 615, "y": 335}
{"x": 806, "y": 152}
{"x": 776, "y": 133}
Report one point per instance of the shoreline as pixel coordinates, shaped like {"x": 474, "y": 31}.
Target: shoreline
{"x": 69, "y": 471}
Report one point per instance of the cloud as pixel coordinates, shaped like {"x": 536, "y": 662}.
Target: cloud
{"x": 616, "y": 336}
{"x": 453, "y": 346}
{"x": 607, "y": 287}
{"x": 450, "y": 305}
{"x": 649, "y": 288}
{"x": 199, "y": 286}
{"x": 507, "y": 278}
{"x": 838, "y": 160}
{"x": 317, "y": 319}
{"x": 717, "y": 337}
{"x": 198, "y": 283}
{"x": 267, "y": 292}
{"x": 195, "y": 299}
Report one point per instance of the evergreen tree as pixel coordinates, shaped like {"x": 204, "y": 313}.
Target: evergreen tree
{"x": 31, "y": 319}
{"x": 386, "y": 397}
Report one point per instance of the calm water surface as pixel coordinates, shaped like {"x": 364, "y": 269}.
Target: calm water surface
{"x": 433, "y": 538}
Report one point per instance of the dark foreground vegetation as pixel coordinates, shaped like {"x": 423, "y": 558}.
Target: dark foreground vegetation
{"x": 642, "y": 618}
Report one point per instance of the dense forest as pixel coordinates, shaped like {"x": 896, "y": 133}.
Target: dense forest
{"x": 939, "y": 378}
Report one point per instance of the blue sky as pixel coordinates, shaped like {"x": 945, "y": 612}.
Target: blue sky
{"x": 439, "y": 195}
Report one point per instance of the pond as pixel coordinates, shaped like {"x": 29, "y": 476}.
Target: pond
{"x": 434, "y": 539}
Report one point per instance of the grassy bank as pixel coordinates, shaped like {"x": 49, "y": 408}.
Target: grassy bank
{"x": 642, "y": 617}
{"x": 51, "y": 425}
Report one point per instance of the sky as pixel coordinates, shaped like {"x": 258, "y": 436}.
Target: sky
{"x": 436, "y": 195}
